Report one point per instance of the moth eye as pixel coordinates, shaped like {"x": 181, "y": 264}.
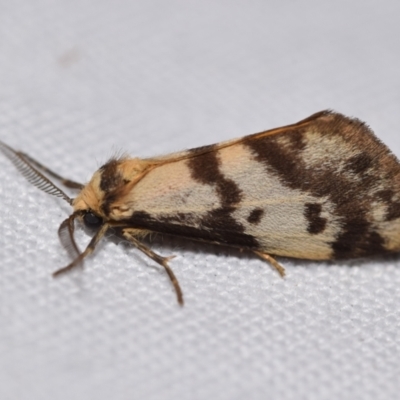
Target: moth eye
{"x": 91, "y": 220}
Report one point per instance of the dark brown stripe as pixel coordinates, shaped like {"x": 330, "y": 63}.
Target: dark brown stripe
{"x": 205, "y": 169}
{"x": 357, "y": 236}
{"x": 111, "y": 183}
{"x": 219, "y": 228}
{"x": 316, "y": 224}
{"x": 393, "y": 211}
{"x": 110, "y": 176}
{"x": 282, "y": 158}
{"x": 219, "y": 225}
{"x": 359, "y": 163}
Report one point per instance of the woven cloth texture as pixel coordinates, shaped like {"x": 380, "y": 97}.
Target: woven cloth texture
{"x": 82, "y": 80}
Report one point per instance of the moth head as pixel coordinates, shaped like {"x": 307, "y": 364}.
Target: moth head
{"x": 104, "y": 196}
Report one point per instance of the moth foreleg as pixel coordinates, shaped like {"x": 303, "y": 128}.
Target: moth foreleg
{"x": 272, "y": 261}
{"x": 89, "y": 250}
{"x": 129, "y": 234}
{"x": 66, "y": 182}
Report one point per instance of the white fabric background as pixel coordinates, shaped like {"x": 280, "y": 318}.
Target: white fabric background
{"x": 83, "y": 79}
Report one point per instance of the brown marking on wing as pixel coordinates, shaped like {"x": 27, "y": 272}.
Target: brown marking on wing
{"x": 205, "y": 169}
{"x": 255, "y": 216}
{"x": 316, "y": 224}
{"x": 221, "y": 230}
{"x": 219, "y": 225}
{"x": 359, "y": 163}
{"x": 393, "y": 206}
{"x": 352, "y": 194}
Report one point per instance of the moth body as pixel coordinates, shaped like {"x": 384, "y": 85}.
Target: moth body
{"x": 323, "y": 188}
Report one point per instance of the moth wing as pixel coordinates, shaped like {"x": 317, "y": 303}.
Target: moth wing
{"x": 323, "y": 188}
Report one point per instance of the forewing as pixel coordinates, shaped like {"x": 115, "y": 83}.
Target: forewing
{"x": 323, "y": 188}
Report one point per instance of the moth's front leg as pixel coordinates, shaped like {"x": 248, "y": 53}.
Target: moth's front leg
{"x": 89, "y": 250}
{"x": 130, "y": 234}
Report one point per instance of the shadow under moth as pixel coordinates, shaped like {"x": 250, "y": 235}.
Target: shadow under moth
{"x": 323, "y": 188}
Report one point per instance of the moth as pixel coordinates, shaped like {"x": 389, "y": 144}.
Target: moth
{"x": 320, "y": 189}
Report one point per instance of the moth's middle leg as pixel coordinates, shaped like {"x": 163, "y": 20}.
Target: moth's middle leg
{"x": 130, "y": 235}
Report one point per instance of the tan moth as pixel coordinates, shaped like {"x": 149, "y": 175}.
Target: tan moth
{"x": 323, "y": 188}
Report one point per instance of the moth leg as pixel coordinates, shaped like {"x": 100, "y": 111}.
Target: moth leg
{"x": 89, "y": 250}
{"x": 272, "y": 261}
{"x": 66, "y": 182}
{"x": 163, "y": 261}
